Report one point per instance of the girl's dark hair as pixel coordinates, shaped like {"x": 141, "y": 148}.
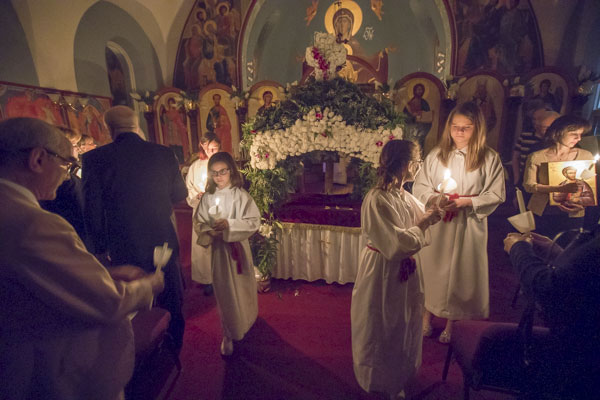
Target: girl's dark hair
{"x": 393, "y": 162}
{"x": 205, "y": 140}
{"x": 564, "y": 124}
{"x": 234, "y": 174}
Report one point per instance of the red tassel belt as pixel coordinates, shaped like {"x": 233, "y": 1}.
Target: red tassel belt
{"x": 451, "y": 214}
{"x": 408, "y": 265}
{"x": 237, "y": 253}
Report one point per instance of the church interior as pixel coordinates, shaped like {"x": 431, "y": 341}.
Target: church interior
{"x": 260, "y": 75}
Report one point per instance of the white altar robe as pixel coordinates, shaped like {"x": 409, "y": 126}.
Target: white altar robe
{"x": 455, "y": 266}
{"x": 235, "y": 293}
{"x": 386, "y": 313}
{"x": 200, "y": 258}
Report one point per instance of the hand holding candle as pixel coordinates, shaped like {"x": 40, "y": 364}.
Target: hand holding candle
{"x": 214, "y": 212}
{"x": 523, "y": 221}
{"x": 447, "y": 185}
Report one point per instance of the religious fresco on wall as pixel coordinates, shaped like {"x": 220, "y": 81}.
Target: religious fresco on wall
{"x": 89, "y": 119}
{"x": 217, "y": 114}
{"x": 344, "y": 19}
{"x": 80, "y": 112}
{"x": 173, "y": 125}
{"x": 488, "y": 93}
{"x": 116, "y": 79}
{"x": 19, "y": 101}
{"x": 419, "y": 97}
{"x": 208, "y": 49}
{"x": 263, "y": 95}
{"x": 499, "y": 35}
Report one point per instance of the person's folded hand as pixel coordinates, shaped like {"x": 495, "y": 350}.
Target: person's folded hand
{"x": 513, "y": 238}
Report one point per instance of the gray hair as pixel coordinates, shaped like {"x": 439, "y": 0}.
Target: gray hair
{"x": 18, "y": 134}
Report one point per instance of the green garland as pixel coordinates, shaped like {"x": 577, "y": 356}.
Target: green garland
{"x": 270, "y": 188}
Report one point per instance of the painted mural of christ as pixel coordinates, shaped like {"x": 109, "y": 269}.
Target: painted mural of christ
{"x": 218, "y": 122}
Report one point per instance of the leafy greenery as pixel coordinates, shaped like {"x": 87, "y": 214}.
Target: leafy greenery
{"x": 270, "y": 188}
{"x": 264, "y": 249}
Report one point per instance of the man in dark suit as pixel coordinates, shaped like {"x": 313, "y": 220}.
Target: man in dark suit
{"x": 129, "y": 188}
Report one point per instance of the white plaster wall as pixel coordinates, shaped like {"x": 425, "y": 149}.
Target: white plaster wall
{"x": 50, "y": 27}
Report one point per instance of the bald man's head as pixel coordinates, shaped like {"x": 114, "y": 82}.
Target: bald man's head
{"x": 544, "y": 121}
{"x": 121, "y": 119}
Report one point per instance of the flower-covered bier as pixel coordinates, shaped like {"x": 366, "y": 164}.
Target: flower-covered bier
{"x": 319, "y": 130}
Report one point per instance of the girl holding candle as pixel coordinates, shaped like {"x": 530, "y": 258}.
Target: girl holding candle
{"x": 455, "y": 266}
{"x": 387, "y": 300}
{"x": 195, "y": 180}
{"x": 562, "y": 136}
{"x": 225, "y": 218}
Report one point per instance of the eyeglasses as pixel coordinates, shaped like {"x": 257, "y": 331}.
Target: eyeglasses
{"x": 65, "y": 163}
{"x": 458, "y": 128}
{"x": 221, "y": 172}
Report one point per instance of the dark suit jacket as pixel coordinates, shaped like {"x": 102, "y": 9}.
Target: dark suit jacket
{"x": 129, "y": 189}
{"x": 69, "y": 204}
{"x": 568, "y": 295}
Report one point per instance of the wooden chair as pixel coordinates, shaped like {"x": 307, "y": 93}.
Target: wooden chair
{"x": 491, "y": 355}
{"x": 151, "y": 338}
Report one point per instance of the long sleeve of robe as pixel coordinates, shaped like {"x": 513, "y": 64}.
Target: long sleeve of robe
{"x": 235, "y": 292}
{"x": 386, "y": 312}
{"x": 64, "y": 331}
{"x": 455, "y": 266}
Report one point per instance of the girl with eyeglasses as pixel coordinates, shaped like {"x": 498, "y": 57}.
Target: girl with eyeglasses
{"x": 455, "y": 266}
{"x": 225, "y": 218}
{"x": 387, "y": 300}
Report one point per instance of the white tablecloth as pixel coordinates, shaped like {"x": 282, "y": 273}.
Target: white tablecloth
{"x": 313, "y": 252}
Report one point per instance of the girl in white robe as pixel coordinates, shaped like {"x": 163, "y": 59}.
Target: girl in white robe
{"x": 227, "y": 216}
{"x": 455, "y": 266}
{"x": 195, "y": 181}
{"x": 387, "y": 300}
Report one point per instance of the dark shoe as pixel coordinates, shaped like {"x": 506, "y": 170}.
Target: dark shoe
{"x": 208, "y": 290}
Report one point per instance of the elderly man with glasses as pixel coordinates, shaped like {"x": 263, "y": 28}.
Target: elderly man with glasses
{"x": 64, "y": 326}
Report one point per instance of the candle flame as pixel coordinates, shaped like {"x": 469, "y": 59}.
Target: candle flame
{"x": 447, "y": 174}
{"x": 217, "y": 201}
{"x": 596, "y": 157}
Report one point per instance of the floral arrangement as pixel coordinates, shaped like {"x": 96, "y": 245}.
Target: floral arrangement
{"x": 239, "y": 97}
{"x": 319, "y": 130}
{"x": 515, "y": 88}
{"x": 452, "y": 84}
{"x": 325, "y": 56}
{"x": 586, "y": 79}
{"x": 147, "y": 98}
{"x": 317, "y": 120}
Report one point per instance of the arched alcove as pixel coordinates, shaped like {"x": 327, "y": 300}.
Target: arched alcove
{"x": 15, "y": 47}
{"x": 416, "y": 35}
{"x": 121, "y": 75}
{"x": 103, "y": 23}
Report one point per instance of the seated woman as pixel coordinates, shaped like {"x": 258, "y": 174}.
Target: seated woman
{"x": 562, "y": 136}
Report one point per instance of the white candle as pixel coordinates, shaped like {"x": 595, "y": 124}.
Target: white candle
{"x": 203, "y": 183}
{"x": 520, "y": 201}
{"x": 448, "y": 184}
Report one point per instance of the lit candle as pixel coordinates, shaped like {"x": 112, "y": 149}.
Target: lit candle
{"x": 448, "y": 184}
{"x": 203, "y": 183}
{"x": 520, "y": 201}
{"x": 214, "y": 211}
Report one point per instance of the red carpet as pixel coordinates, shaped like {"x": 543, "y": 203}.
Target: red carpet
{"x": 300, "y": 346}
